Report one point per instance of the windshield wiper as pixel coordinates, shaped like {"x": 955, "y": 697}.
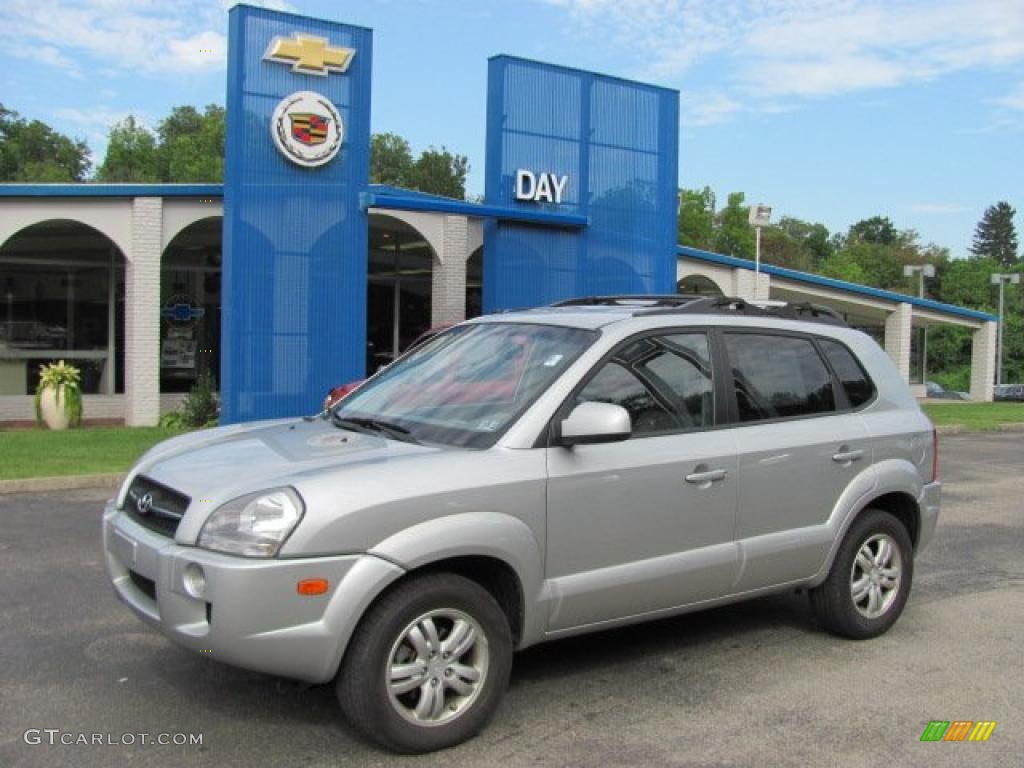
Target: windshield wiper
{"x": 364, "y": 424}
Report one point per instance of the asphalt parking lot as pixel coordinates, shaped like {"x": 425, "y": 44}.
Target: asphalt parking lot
{"x": 754, "y": 684}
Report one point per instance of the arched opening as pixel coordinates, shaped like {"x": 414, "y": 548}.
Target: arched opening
{"x": 475, "y": 283}
{"x": 62, "y": 293}
{"x": 190, "y": 308}
{"x": 698, "y": 285}
{"x": 398, "y": 302}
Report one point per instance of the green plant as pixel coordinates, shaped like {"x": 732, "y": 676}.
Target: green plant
{"x": 201, "y": 406}
{"x": 63, "y": 379}
{"x": 173, "y": 420}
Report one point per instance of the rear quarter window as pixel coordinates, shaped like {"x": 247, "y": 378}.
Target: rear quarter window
{"x": 856, "y": 383}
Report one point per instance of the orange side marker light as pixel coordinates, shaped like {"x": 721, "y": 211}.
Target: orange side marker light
{"x": 310, "y": 587}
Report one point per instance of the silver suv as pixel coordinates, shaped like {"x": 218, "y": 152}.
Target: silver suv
{"x": 529, "y": 476}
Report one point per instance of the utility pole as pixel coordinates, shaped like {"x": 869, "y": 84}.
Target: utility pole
{"x": 1001, "y": 281}
{"x": 923, "y": 270}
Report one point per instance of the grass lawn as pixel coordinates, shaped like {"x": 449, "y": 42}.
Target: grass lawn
{"x": 976, "y": 416}
{"x": 42, "y": 453}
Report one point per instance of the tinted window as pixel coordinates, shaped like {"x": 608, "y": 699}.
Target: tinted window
{"x": 859, "y": 388}
{"x": 614, "y": 384}
{"x": 778, "y": 377}
{"x": 682, "y": 366}
{"x": 664, "y": 383}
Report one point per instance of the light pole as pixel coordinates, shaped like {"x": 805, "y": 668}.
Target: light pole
{"x": 760, "y": 215}
{"x": 1001, "y": 280}
{"x": 924, "y": 270}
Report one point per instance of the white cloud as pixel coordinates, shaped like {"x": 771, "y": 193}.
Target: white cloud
{"x": 1014, "y": 99}
{"x": 786, "y": 49}
{"x": 136, "y": 35}
{"x": 701, "y": 109}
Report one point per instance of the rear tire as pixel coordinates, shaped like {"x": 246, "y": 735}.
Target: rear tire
{"x": 868, "y": 586}
{"x": 427, "y": 666}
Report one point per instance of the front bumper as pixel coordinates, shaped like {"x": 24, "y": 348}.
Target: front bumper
{"x": 928, "y": 505}
{"x": 250, "y": 614}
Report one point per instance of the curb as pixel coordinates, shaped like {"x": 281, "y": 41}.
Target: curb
{"x": 68, "y": 483}
{"x": 960, "y": 429}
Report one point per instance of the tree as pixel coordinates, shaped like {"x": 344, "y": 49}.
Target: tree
{"x": 390, "y": 160}
{"x": 697, "y": 218}
{"x": 192, "y": 145}
{"x": 812, "y": 237}
{"x": 995, "y": 236}
{"x": 34, "y": 152}
{"x": 439, "y": 172}
{"x": 735, "y": 236}
{"x": 131, "y": 154}
{"x": 878, "y": 229}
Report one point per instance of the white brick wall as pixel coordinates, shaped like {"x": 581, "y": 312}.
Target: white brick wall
{"x": 142, "y": 315}
{"x": 448, "y": 303}
{"x": 897, "y": 338}
{"x": 983, "y": 362}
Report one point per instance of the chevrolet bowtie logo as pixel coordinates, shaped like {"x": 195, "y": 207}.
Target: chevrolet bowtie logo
{"x": 309, "y": 54}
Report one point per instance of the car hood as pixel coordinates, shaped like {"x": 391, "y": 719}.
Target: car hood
{"x": 216, "y": 465}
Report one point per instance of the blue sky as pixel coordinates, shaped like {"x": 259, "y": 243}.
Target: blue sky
{"x": 828, "y": 110}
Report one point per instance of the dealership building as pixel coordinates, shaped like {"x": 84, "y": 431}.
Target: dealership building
{"x": 297, "y": 274}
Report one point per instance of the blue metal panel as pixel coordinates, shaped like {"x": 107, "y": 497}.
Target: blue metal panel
{"x": 840, "y": 285}
{"x": 295, "y": 239}
{"x": 617, "y": 142}
{"x": 417, "y": 201}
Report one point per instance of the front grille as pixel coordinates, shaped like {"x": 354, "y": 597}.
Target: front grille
{"x": 155, "y": 506}
{"x": 146, "y": 586}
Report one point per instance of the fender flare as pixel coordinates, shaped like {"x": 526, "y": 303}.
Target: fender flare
{"x": 889, "y": 476}
{"x": 481, "y": 534}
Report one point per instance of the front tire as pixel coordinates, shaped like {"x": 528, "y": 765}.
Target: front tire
{"x": 427, "y": 666}
{"x": 868, "y": 586}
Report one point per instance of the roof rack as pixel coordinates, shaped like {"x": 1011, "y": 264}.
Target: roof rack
{"x": 634, "y": 301}
{"x": 689, "y": 304}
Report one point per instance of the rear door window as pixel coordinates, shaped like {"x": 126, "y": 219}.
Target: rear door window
{"x": 778, "y": 377}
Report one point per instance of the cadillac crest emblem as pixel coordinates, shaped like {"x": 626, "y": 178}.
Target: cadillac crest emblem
{"x": 307, "y": 128}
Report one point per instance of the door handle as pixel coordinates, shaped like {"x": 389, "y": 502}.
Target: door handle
{"x": 706, "y": 478}
{"x": 846, "y": 457}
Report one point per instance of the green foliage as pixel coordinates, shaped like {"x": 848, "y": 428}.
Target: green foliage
{"x": 440, "y": 172}
{"x": 995, "y": 236}
{"x": 64, "y": 380}
{"x": 697, "y": 218}
{"x": 191, "y": 145}
{"x": 172, "y": 420}
{"x": 390, "y": 160}
{"x": 878, "y": 229}
{"x": 131, "y": 154}
{"x": 813, "y": 239}
{"x": 735, "y": 236}
{"x": 956, "y": 379}
{"x": 34, "y": 152}
{"x": 202, "y": 403}
{"x": 436, "y": 171}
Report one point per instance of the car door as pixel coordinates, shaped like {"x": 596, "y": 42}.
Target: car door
{"x": 800, "y": 445}
{"x": 645, "y": 524}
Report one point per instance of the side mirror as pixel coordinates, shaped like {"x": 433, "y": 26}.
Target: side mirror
{"x": 594, "y": 422}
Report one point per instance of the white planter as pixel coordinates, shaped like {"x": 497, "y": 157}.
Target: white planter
{"x": 54, "y": 413}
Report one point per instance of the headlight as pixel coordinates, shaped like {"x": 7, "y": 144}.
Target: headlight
{"x": 255, "y": 525}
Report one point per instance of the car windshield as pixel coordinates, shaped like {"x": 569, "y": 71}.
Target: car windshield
{"x": 466, "y": 386}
